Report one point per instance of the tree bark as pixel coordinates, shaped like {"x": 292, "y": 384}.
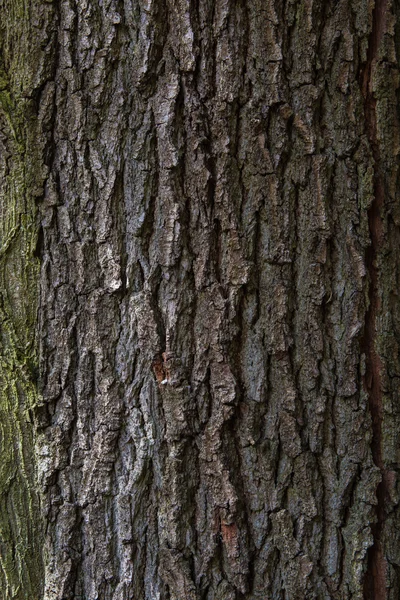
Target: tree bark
{"x": 200, "y": 321}
{"x": 24, "y": 68}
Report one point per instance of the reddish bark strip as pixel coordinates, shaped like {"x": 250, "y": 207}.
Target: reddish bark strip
{"x": 375, "y": 580}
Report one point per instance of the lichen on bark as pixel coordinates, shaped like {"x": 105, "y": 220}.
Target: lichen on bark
{"x": 20, "y": 524}
{"x": 22, "y": 175}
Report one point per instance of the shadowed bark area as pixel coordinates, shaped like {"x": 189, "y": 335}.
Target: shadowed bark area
{"x": 375, "y": 580}
{"x": 219, "y": 322}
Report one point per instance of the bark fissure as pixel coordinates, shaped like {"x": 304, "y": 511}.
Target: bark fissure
{"x": 375, "y": 580}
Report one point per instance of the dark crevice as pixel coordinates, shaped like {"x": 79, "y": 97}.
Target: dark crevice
{"x": 375, "y": 578}
{"x": 217, "y": 235}
{"x": 38, "y": 251}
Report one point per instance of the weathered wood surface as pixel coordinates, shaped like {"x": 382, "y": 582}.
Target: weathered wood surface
{"x": 219, "y": 322}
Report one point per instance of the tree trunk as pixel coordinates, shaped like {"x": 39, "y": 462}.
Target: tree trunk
{"x": 200, "y": 323}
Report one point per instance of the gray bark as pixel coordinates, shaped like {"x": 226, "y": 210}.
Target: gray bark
{"x": 217, "y": 411}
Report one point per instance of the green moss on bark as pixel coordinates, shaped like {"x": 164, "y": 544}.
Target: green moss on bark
{"x": 21, "y": 569}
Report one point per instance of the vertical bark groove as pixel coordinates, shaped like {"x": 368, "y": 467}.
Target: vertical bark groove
{"x": 375, "y": 580}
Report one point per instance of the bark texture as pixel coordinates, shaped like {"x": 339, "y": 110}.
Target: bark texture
{"x": 23, "y": 64}
{"x": 219, "y": 322}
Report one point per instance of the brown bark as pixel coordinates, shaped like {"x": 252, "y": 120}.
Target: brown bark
{"x": 219, "y": 321}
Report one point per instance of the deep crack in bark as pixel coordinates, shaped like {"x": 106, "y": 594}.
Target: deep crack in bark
{"x": 375, "y": 579}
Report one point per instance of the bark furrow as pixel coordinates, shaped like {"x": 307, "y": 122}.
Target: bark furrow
{"x": 375, "y": 580}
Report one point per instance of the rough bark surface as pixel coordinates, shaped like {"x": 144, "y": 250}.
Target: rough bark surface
{"x": 23, "y": 64}
{"x": 219, "y": 321}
